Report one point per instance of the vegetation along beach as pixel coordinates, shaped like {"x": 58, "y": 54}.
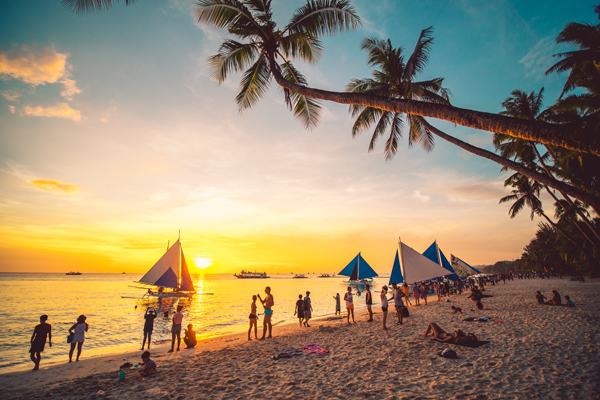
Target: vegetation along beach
{"x": 238, "y": 199}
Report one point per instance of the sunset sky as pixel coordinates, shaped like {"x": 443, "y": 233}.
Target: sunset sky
{"x": 113, "y": 137}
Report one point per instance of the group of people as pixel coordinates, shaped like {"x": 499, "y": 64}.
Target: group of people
{"x": 555, "y": 300}
{"x": 304, "y": 309}
{"x": 268, "y": 302}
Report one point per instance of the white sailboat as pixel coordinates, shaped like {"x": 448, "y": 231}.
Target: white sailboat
{"x": 169, "y": 272}
{"x": 411, "y": 266}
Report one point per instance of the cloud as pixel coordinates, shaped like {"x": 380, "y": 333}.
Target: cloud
{"x": 10, "y": 95}
{"x": 12, "y": 109}
{"x": 38, "y": 67}
{"x": 539, "y": 58}
{"x": 62, "y": 110}
{"x": 417, "y": 195}
{"x": 53, "y": 186}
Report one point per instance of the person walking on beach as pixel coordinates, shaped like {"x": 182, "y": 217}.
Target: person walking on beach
{"x": 148, "y": 326}
{"x": 176, "y": 328}
{"x": 267, "y": 303}
{"x": 405, "y": 290}
{"x": 78, "y": 331}
{"x": 398, "y": 294}
{"x": 253, "y": 319}
{"x": 307, "y": 306}
{"x": 349, "y": 304}
{"x": 369, "y": 301}
{"x": 338, "y": 310}
{"x": 41, "y": 332}
{"x": 299, "y": 310}
{"x": 384, "y": 305}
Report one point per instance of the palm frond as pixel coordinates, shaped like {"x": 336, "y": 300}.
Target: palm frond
{"x": 367, "y": 117}
{"x": 254, "y": 84}
{"x": 300, "y": 45}
{"x": 85, "y": 6}
{"x": 324, "y": 17}
{"x": 391, "y": 145}
{"x": 225, "y": 13}
{"x": 232, "y": 57}
{"x": 419, "y": 134}
{"x": 420, "y": 56}
{"x": 306, "y": 109}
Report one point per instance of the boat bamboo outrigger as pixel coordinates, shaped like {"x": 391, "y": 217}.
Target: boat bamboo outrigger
{"x": 169, "y": 272}
{"x": 359, "y": 271}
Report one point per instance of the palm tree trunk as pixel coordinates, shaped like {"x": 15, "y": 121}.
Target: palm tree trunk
{"x": 542, "y": 132}
{"x": 544, "y": 179}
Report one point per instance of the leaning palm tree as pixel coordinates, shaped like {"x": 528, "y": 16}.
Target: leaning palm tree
{"x": 395, "y": 78}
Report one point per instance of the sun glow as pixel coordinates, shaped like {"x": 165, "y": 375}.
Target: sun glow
{"x": 202, "y": 262}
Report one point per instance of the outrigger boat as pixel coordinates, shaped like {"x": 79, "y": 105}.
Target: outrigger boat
{"x": 169, "y": 272}
{"x": 359, "y": 271}
{"x": 326, "y": 276}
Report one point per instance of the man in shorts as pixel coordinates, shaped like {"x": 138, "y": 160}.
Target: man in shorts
{"x": 148, "y": 326}
{"x": 267, "y": 303}
{"x": 369, "y": 300}
{"x": 398, "y": 294}
{"x": 176, "y": 328}
{"x": 38, "y": 340}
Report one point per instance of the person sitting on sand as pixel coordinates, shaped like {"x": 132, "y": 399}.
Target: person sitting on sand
{"x": 38, "y": 340}
{"x": 384, "y": 305}
{"x": 457, "y": 310}
{"x": 541, "y": 299}
{"x": 190, "y": 337}
{"x": 338, "y": 310}
{"x": 267, "y": 303}
{"x": 299, "y": 310}
{"x": 569, "y": 302}
{"x": 349, "y": 304}
{"x": 149, "y": 365}
{"x": 254, "y": 318}
{"x": 556, "y": 300}
{"x": 78, "y": 331}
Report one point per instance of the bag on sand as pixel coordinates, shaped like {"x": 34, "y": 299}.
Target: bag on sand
{"x": 405, "y": 313}
{"x": 448, "y": 353}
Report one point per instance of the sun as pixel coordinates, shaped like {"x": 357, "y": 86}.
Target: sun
{"x": 203, "y": 263}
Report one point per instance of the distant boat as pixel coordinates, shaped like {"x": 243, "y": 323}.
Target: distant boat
{"x": 73, "y": 273}
{"x": 251, "y": 275}
{"x": 359, "y": 271}
{"x": 299, "y": 276}
{"x": 326, "y": 276}
{"x": 169, "y": 272}
{"x": 123, "y": 273}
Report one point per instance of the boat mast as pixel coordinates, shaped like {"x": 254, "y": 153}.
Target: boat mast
{"x": 179, "y": 258}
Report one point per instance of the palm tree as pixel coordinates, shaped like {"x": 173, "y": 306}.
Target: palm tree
{"x": 84, "y": 6}
{"x": 395, "y": 78}
{"x": 244, "y": 17}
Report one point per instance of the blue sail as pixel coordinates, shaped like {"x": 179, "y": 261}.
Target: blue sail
{"x": 432, "y": 254}
{"x": 396, "y": 275}
{"x": 446, "y": 264}
{"x": 363, "y": 269}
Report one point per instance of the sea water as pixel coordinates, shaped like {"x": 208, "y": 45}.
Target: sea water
{"x": 115, "y": 324}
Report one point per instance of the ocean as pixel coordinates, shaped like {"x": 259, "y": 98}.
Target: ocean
{"x": 116, "y": 324}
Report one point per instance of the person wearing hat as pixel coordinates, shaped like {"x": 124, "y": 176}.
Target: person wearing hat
{"x": 78, "y": 331}
{"x": 148, "y": 326}
{"x": 38, "y": 340}
{"x": 307, "y": 308}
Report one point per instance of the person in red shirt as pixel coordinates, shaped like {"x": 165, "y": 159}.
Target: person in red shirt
{"x": 38, "y": 340}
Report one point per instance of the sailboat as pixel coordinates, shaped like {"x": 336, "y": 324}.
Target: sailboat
{"x": 411, "y": 266}
{"x": 169, "y": 272}
{"x": 462, "y": 267}
{"x": 435, "y": 254}
{"x": 359, "y": 271}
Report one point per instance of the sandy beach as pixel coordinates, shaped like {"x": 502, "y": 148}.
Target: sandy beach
{"x": 537, "y": 351}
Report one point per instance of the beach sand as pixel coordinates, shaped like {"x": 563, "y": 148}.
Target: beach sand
{"x": 537, "y": 351}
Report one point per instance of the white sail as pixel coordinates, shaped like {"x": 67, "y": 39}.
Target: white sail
{"x": 165, "y": 272}
{"x": 416, "y": 267}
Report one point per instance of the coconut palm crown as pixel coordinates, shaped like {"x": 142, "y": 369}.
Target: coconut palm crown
{"x": 265, "y": 47}
{"x": 394, "y": 77}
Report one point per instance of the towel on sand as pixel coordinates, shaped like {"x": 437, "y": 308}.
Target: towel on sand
{"x": 314, "y": 349}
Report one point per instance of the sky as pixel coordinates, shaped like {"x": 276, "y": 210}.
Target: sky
{"x": 114, "y": 137}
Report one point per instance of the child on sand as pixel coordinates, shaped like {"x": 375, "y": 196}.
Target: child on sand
{"x": 253, "y": 319}
{"x": 149, "y": 365}
{"x": 457, "y": 310}
{"x": 190, "y": 337}
{"x": 569, "y": 302}
{"x": 541, "y": 299}
{"x": 38, "y": 340}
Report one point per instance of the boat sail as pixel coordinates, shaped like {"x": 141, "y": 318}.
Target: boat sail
{"x": 435, "y": 254}
{"x": 411, "y": 266}
{"x": 359, "y": 271}
{"x": 170, "y": 272}
{"x": 462, "y": 267}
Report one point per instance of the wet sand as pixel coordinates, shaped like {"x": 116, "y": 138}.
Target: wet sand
{"x": 537, "y": 351}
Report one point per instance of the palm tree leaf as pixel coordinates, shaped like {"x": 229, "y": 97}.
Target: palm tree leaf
{"x": 303, "y": 46}
{"x": 254, "y": 84}
{"x": 391, "y": 145}
{"x": 366, "y": 118}
{"x": 84, "y": 6}
{"x": 232, "y": 57}
{"x": 306, "y": 109}
{"x": 418, "y": 59}
{"x": 419, "y": 134}
{"x": 226, "y": 13}
{"x": 324, "y": 17}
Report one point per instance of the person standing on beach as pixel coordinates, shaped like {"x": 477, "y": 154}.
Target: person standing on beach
{"x": 398, "y": 294}
{"x": 78, "y": 331}
{"x": 299, "y": 310}
{"x": 424, "y": 292}
{"x": 253, "y": 319}
{"x": 416, "y": 293}
{"x": 349, "y": 304}
{"x": 369, "y": 301}
{"x": 267, "y": 303}
{"x": 148, "y": 326}
{"x": 41, "y": 332}
{"x": 405, "y": 290}
{"x": 307, "y": 308}
{"x": 176, "y": 328}
{"x": 384, "y": 305}
{"x": 338, "y": 310}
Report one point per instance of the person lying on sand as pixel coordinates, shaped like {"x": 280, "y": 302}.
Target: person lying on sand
{"x": 440, "y": 335}
{"x": 148, "y": 365}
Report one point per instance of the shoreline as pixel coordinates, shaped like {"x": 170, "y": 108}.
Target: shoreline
{"x": 535, "y": 352}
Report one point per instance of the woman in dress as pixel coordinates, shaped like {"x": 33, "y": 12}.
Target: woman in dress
{"x": 78, "y": 331}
